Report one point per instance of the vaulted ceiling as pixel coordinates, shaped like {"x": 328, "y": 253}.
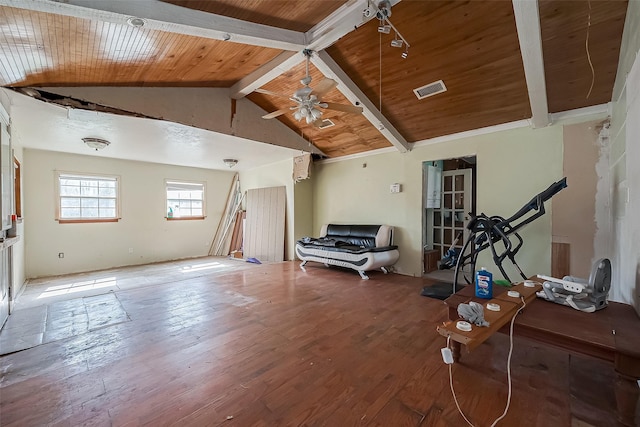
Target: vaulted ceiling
{"x": 500, "y": 61}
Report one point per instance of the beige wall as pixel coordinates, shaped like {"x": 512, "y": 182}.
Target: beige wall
{"x": 142, "y": 227}
{"x": 624, "y": 172}
{"x": 275, "y": 175}
{"x": 513, "y": 166}
{"x": 303, "y": 209}
{"x": 574, "y": 210}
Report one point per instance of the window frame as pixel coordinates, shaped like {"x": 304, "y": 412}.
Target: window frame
{"x": 168, "y": 182}
{"x": 91, "y": 176}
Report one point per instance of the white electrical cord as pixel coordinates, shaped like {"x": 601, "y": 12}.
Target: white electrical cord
{"x": 506, "y": 409}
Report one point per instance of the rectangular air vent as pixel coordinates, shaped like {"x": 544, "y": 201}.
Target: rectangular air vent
{"x": 430, "y": 89}
{"x": 326, "y": 123}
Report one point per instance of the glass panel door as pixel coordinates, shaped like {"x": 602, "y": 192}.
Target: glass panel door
{"x": 451, "y": 218}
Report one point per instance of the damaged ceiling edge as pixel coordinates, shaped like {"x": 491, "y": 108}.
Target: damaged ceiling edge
{"x": 66, "y": 101}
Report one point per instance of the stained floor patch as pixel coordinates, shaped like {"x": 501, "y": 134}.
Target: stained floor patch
{"x": 33, "y": 326}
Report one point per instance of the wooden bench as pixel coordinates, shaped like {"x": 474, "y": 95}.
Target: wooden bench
{"x": 611, "y": 334}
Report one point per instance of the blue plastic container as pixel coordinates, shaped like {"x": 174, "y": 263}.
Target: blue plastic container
{"x": 484, "y": 284}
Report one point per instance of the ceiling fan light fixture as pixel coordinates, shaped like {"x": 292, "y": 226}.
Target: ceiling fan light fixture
{"x": 230, "y": 162}
{"x": 96, "y": 143}
{"x": 315, "y": 113}
{"x": 405, "y": 54}
{"x": 384, "y": 29}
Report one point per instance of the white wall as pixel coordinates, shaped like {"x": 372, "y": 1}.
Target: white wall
{"x": 513, "y": 166}
{"x": 143, "y": 227}
{"x": 275, "y": 175}
{"x": 625, "y": 174}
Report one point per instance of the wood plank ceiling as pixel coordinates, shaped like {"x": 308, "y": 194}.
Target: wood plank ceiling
{"x": 472, "y": 46}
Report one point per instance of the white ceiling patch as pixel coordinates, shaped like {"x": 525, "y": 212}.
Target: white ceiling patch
{"x": 430, "y": 89}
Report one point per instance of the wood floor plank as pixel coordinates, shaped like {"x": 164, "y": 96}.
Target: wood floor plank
{"x": 274, "y": 345}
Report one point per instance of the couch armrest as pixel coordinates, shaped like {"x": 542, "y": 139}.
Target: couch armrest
{"x": 384, "y": 236}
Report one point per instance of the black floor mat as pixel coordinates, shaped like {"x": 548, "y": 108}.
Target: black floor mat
{"x": 440, "y": 290}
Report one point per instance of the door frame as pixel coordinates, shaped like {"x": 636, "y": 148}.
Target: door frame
{"x": 427, "y": 222}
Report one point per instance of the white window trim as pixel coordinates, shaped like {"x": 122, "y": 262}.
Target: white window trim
{"x": 56, "y": 184}
{"x": 186, "y": 182}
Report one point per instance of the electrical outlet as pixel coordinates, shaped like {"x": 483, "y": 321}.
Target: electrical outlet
{"x": 130, "y": 250}
{"x": 60, "y": 254}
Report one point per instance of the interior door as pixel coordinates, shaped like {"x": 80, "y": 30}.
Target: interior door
{"x": 4, "y": 285}
{"x": 450, "y": 219}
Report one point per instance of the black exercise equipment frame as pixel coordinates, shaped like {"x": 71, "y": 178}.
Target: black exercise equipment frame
{"x": 488, "y": 231}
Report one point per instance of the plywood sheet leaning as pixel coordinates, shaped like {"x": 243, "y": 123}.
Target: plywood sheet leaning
{"x": 265, "y": 223}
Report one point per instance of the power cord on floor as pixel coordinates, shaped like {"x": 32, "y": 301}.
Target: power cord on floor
{"x": 506, "y": 409}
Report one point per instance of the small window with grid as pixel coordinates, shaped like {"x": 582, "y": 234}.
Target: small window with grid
{"x": 88, "y": 198}
{"x": 185, "y": 200}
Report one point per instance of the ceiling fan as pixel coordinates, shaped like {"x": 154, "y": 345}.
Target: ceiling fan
{"x": 309, "y": 100}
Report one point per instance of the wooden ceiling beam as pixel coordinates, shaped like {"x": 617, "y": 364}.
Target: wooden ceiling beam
{"x": 528, "y": 25}
{"x": 330, "y": 68}
{"x": 170, "y": 18}
{"x": 263, "y": 75}
{"x": 341, "y": 22}
{"x": 347, "y": 18}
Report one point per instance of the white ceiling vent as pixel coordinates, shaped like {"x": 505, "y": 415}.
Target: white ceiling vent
{"x": 430, "y": 89}
{"x": 326, "y": 123}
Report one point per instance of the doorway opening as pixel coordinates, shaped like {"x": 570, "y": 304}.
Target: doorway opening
{"x": 449, "y": 197}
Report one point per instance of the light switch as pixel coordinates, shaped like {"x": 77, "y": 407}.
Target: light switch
{"x": 396, "y": 188}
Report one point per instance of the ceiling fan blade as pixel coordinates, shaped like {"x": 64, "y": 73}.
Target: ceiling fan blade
{"x": 268, "y": 92}
{"x": 276, "y": 113}
{"x": 324, "y": 86}
{"x": 343, "y": 107}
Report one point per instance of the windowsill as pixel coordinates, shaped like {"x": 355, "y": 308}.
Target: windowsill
{"x": 184, "y": 218}
{"x": 86, "y": 221}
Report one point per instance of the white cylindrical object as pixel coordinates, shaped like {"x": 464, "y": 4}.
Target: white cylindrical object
{"x": 493, "y": 306}
{"x": 463, "y": 326}
{"x": 514, "y": 294}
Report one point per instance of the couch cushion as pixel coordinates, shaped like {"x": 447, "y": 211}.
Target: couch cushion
{"x": 357, "y": 235}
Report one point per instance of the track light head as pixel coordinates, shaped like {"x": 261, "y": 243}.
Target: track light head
{"x": 384, "y": 29}
{"x": 397, "y": 42}
{"x": 405, "y": 54}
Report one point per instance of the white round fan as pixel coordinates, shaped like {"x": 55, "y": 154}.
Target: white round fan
{"x": 308, "y": 100}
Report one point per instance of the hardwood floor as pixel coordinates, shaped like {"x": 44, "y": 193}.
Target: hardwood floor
{"x": 273, "y": 345}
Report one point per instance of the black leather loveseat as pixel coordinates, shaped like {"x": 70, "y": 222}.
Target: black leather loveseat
{"x": 360, "y": 247}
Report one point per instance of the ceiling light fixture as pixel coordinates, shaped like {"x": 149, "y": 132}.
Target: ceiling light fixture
{"x": 230, "y": 162}
{"x": 397, "y": 42}
{"x": 136, "y": 22}
{"x": 96, "y": 143}
{"x": 382, "y": 11}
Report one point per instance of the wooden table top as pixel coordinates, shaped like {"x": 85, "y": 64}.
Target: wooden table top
{"x": 614, "y": 329}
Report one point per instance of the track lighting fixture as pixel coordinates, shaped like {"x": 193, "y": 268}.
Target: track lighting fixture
{"x": 382, "y": 12}
{"x": 397, "y": 42}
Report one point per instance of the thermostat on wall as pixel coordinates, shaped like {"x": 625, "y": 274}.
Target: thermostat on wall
{"x": 396, "y": 188}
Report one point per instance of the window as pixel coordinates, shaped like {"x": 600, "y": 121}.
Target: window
{"x": 88, "y": 198}
{"x": 185, "y": 200}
